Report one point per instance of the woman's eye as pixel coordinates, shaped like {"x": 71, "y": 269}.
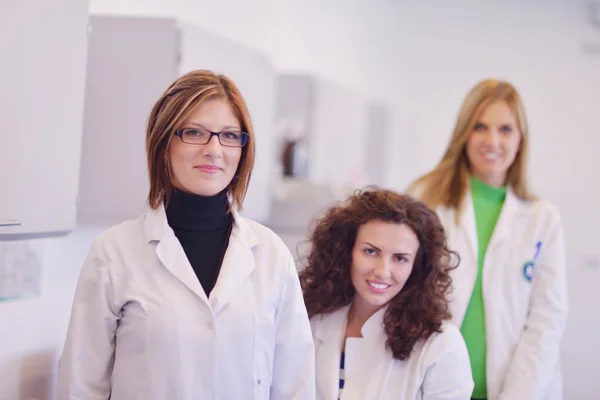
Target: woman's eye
{"x": 231, "y": 135}
{"x": 191, "y": 132}
{"x": 479, "y": 127}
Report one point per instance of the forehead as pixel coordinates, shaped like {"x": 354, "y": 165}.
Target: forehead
{"x": 388, "y": 236}
{"x": 498, "y": 112}
{"x": 214, "y": 114}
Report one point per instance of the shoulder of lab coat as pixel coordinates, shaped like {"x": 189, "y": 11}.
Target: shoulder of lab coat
{"x": 448, "y": 373}
{"x": 100, "y": 279}
{"x": 537, "y": 353}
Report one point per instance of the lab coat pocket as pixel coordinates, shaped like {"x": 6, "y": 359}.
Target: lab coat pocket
{"x": 264, "y": 352}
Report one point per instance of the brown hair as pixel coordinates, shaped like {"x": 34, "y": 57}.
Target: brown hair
{"x": 446, "y": 184}
{"x": 419, "y": 308}
{"x": 169, "y": 113}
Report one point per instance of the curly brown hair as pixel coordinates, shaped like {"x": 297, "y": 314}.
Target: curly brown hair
{"x": 418, "y": 310}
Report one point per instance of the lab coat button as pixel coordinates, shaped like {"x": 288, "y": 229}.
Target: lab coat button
{"x": 209, "y": 325}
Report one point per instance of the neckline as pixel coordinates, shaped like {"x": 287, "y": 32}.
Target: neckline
{"x": 198, "y": 213}
{"x": 482, "y": 189}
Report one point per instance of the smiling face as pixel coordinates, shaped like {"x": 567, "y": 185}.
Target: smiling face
{"x": 382, "y": 259}
{"x": 206, "y": 169}
{"x": 493, "y": 144}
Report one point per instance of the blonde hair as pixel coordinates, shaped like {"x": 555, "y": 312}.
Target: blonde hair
{"x": 446, "y": 184}
{"x": 169, "y": 113}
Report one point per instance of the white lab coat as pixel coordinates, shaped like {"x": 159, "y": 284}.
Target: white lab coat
{"x": 437, "y": 369}
{"x": 525, "y": 319}
{"x": 143, "y": 328}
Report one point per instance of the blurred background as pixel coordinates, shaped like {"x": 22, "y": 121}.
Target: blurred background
{"x": 343, "y": 94}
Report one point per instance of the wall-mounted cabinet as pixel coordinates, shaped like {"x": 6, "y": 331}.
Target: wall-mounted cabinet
{"x": 131, "y": 61}
{"x": 334, "y": 138}
{"x": 42, "y": 76}
{"x": 340, "y": 130}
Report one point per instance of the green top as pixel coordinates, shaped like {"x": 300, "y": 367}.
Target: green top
{"x": 487, "y": 202}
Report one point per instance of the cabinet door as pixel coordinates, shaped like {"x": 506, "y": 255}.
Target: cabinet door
{"x": 131, "y": 61}
{"x": 42, "y": 73}
{"x": 338, "y": 136}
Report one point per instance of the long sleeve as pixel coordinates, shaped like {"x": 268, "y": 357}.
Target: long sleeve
{"x": 86, "y": 363}
{"x": 448, "y": 376}
{"x": 294, "y": 363}
{"x": 537, "y": 352}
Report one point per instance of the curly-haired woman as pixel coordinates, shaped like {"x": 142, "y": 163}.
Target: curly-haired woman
{"x": 375, "y": 286}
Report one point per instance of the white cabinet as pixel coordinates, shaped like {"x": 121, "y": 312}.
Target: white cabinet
{"x": 345, "y": 133}
{"x": 344, "y": 129}
{"x": 42, "y": 76}
{"x": 378, "y": 142}
{"x": 131, "y": 62}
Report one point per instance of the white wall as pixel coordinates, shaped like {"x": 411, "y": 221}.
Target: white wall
{"x": 422, "y": 57}
{"x": 339, "y": 39}
{"x": 32, "y": 330}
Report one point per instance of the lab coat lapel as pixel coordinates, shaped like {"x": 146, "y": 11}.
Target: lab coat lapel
{"x": 329, "y": 335}
{"x": 506, "y": 219}
{"x": 170, "y": 252}
{"x": 468, "y": 224}
{"x": 370, "y": 354}
{"x": 237, "y": 265}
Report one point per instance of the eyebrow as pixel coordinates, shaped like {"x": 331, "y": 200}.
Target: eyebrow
{"x": 202, "y": 127}
{"x": 501, "y": 124}
{"x": 396, "y": 254}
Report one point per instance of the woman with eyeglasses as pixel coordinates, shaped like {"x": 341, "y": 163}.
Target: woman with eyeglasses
{"x": 191, "y": 300}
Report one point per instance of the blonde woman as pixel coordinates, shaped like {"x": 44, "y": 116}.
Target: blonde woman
{"x": 510, "y": 298}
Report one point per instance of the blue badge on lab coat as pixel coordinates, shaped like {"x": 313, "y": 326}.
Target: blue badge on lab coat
{"x": 529, "y": 266}
{"x": 528, "y": 270}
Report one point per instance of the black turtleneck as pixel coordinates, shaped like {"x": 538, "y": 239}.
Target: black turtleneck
{"x": 202, "y": 225}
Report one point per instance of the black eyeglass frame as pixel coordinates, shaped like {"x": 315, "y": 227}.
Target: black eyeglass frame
{"x": 244, "y": 139}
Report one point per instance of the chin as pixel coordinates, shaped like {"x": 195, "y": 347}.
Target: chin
{"x": 205, "y": 191}
{"x": 377, "y": 302}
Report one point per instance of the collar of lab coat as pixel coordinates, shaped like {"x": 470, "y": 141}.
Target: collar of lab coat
{"x": 237, "y": 265}
{"x": 337, "y": 321}
{"x": 332, "y": 327}
{"x": 512, "y": 209}
{"x": 157, "y": 227}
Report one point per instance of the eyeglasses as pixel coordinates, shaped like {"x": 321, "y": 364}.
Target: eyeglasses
{"x": 202, "y": 136}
